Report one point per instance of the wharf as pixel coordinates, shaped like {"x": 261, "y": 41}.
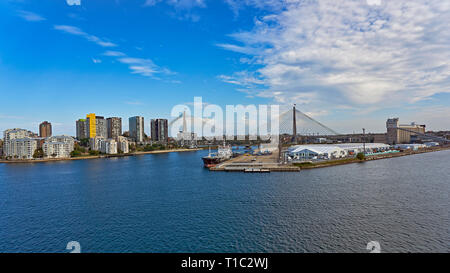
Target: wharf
{"x": 255, "y": 164}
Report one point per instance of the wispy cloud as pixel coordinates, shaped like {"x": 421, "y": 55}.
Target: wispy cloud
{"x": 73, "y": 2}
{"x": 31, "y": 16}
{"x": 144, "y": 67}
{"x": 96, "y": 61}
{"x": 114, "y": 53}
{"x": 179, "y": 4}
{"x": 141, "y": 66}
{"x": 357, "y": 53}
{"x": 78, "y": 32}
{"x": 184, "y": 9}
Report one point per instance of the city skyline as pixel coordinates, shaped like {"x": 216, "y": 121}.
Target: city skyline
{"x": 138, "y": 67}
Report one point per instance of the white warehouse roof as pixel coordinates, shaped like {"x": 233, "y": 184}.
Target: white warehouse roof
{"x": 319, "y": 149}
{"x": 330, "y": 148}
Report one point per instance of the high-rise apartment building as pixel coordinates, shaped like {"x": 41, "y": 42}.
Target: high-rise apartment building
{"x": 402, "y": 133}
{"x": 159, "y": 130}
{"x": 45, "y": 129}
{"x": 101, "y": 127}
{"x": 96, "y": 126}
{"x": 114, "y": 126}
{"x": 91, "y": 125}
{"x": 136, "y": 126}
{"x": 82, "y": 129}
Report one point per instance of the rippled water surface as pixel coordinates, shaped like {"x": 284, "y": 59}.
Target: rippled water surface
{"x": 169, "y": 203}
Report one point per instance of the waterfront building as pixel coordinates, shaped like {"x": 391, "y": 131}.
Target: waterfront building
{"x": 333, "y": 151}
{"x": 58, "y": 146}
{"x": 82, "y": 129}
{"x": 159, "y": 130}
{"x": 21, "y": 148}
{"x": 114, "y": 127}
{"x": 314, "y": 152}
{"x": 15, "y": 133}
{"x": 91, "y": 125}
{"x": 17, "y": 143}
{"x": 402, "y": 133}
{"x": 413, "y": 147}
{"x": 45, "y": 129}
{"x": 95, "y": 143}
{"x": 108, "y": 146}
{"x": 136, "y": 128}
{"x": 431, "y": 144}
{"x": 123, "y": 144}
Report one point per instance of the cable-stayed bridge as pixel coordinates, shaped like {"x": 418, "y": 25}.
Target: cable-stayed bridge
{"x": 292, "y": 122}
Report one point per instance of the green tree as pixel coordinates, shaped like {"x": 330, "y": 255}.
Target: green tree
{"x": 38, "y": 153}
{"x": 75, "y": 153}
{"x": 361, "y": 156}
{"x": 84, "y": 142}
{"x": 92, "y": 152}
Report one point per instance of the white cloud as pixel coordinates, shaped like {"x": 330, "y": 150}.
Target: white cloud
{"x": 73, "y": 2}
{"x": 114, "y": 53}
{"x": 179, "y": 4}
{"x": 184, "y": 9}
{"x": 31, "y": 16}
{"x": 356, "y": 53}
{"x": 141, "y": 66}
{"x": 77, "y": 31}
{"x": 144, "y": 67}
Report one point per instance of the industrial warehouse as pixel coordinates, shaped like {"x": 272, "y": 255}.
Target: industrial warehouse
{"x": 334, "y": 151}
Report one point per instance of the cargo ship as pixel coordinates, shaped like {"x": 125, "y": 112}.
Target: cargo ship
{"x": 224, "y": 153}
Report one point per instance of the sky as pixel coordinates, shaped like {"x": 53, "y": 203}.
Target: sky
{"x": 349, "y": 64}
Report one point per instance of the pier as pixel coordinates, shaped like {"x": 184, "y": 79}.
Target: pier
{"x": 255, "y": 164}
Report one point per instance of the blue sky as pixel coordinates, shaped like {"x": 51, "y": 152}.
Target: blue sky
{"x": 62, "y": 59}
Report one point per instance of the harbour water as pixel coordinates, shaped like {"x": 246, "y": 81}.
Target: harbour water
{"x": 170, "y": 203}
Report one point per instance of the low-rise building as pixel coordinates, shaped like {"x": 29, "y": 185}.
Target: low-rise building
{"x": 108, "y": 146}
{"x": 413, "y": 147}
{"x": 18, "y": 144}
{"x": 123, "y": 144}
{"x": 58, "y": 146}
{"x": 95, "y": 143}
{"x": 334, "y": 151}
{"x": 21, "y": 148}
{"x": 15, "y": 133}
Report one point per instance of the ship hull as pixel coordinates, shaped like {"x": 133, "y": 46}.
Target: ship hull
{"x": 209, "y": 162}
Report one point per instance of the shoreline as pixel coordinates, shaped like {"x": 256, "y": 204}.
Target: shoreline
{"x": 100, "y": 156}
{"x": 369, "y": 158}
{"x": 257, "y": 164}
